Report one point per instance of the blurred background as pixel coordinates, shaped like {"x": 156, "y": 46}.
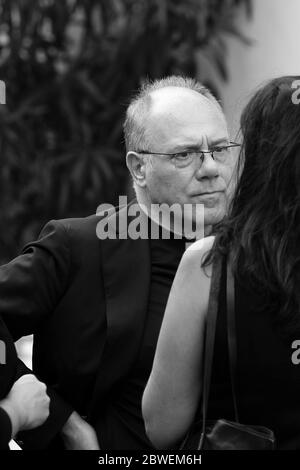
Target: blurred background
{"x": 70, "y": 68}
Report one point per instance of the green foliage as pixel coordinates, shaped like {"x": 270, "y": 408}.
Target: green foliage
{"x": 70, "y": 67}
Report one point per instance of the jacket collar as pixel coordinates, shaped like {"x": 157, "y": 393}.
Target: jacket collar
{"x": 126, "y": 276}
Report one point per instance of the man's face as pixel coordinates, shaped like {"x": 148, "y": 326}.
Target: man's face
{"x": 182, "y": 119}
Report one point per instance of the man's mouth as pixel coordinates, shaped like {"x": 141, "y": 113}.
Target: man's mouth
{"x": 207, "y": 193}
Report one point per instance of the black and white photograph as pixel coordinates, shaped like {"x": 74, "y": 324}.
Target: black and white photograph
{"x": 149, "y": 231}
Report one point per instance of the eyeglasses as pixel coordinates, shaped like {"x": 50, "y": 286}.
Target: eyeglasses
{"x": 187, "y": 158}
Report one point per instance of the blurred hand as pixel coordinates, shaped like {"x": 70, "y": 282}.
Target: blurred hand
{"x": 27, "y": 403}
{"x": 77, "y": 434}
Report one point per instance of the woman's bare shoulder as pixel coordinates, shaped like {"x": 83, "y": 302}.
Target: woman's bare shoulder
{"x": 192, "y": 259}
{"x": 201, "y": 246}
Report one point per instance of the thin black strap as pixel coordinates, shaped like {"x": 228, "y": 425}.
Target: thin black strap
{"x": 231, "y": 331}
{"x": 211, "y": 320}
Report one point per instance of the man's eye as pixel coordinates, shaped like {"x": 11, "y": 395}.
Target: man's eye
{"x": 182, "y": 155}
{"x": 220, "y": 149}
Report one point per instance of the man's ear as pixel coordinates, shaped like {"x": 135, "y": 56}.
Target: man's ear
{"x": 136, "y": 165}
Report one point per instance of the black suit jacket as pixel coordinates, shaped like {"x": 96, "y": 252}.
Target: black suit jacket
{"x": 85, "y": 299}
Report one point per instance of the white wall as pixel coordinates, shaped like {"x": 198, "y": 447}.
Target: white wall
{"x": 275, "y": 31}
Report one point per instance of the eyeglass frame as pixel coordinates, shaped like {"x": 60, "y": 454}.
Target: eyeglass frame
{"x": 202, "y": 152}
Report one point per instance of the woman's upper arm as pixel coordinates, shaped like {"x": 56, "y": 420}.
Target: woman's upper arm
{"x": 184, "y": 320}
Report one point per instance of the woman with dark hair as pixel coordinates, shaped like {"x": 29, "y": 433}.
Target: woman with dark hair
{"x": 262, "y": 236}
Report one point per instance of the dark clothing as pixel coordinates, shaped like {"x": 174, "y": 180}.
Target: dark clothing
{"x": 8, "y": 361}
{"x": 11, "y": 369}
{"x": 8, "y": 372}
{"x": 5, "y": 430}
{"x": 268, "y": 383}
{"x": 53, "y": 289}
{"x": 86, "y": 300}
{"x": 122, "y": 425}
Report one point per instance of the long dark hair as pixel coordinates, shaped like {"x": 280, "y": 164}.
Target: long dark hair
{"x": 262, "y": 231}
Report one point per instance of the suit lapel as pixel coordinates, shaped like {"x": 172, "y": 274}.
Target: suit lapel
{"x": 126, "y": 274}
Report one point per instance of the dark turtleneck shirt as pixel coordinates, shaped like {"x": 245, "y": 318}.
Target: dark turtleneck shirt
{"x": 122, "y": 425}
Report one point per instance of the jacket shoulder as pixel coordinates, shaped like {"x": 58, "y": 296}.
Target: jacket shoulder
{"x": 81, "y": 225}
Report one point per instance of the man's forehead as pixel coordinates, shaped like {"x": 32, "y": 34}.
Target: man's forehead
{"x": 170, "y": 97}
{"x": 177, "y": 108}
{"x": 180, "y": 114}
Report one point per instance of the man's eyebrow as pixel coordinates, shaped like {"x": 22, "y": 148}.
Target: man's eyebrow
{"x": 188, "y": 146}
{"x": 197, "y": 146}
{"x": 223, "y": 140}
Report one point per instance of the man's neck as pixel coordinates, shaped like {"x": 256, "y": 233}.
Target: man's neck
{"x": 208, "y": 230}
{"x": 150, "y": 209}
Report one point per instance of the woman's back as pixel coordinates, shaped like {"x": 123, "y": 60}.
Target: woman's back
{"x": 268, "y": 383}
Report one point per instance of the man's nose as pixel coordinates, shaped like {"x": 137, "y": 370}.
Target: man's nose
{"x": 207, "y": 167}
